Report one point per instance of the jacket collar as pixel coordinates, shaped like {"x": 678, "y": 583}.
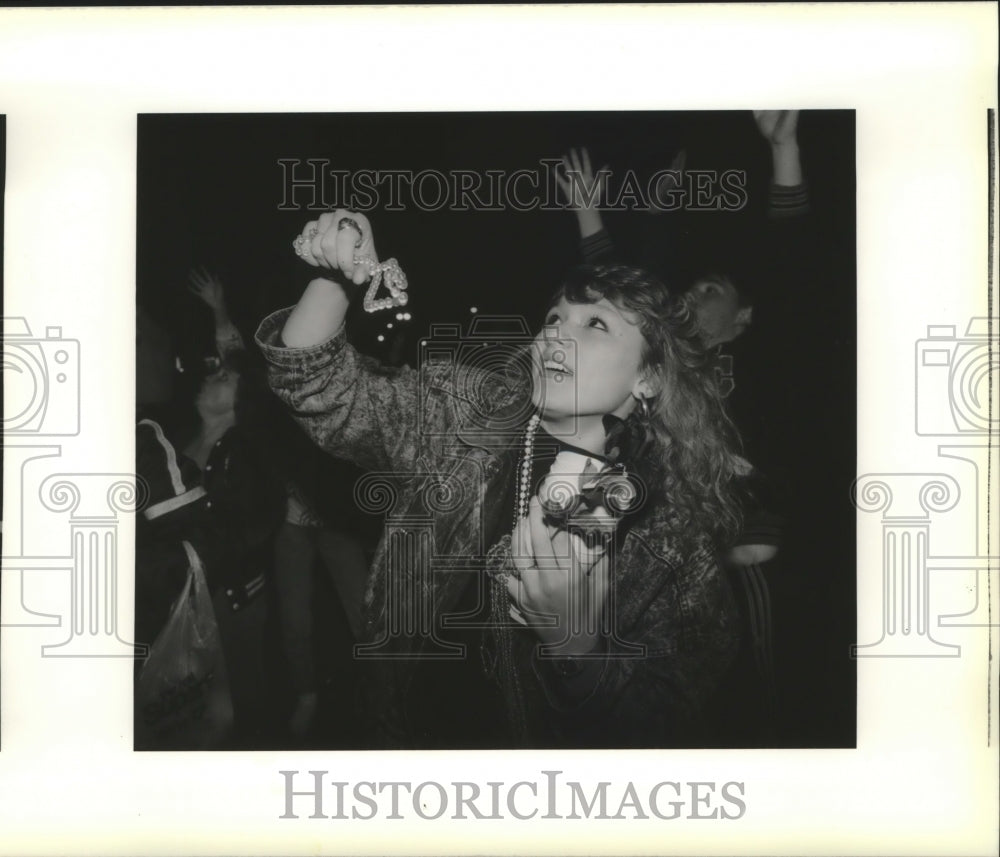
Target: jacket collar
{"x": 502, "y": 427}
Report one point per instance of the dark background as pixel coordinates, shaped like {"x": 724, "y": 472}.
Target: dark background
{"x": 210, "y": 187}
{"x": 209, "y": 190}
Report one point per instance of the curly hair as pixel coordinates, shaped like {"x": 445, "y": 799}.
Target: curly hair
{"x": 692, "y": 459}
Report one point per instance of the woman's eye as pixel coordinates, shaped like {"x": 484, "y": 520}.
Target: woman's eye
{"x": 596, "y": 321}
{"x": 552, "y": 318}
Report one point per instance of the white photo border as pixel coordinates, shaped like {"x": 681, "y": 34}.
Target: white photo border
{"x": 921, "y": 77}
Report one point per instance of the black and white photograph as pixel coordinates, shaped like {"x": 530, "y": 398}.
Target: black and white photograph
{"x": 554, "y": 448}
{"x": 499, "y": 430}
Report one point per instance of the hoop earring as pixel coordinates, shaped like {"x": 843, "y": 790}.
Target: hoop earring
{"x": 645, "y": 407}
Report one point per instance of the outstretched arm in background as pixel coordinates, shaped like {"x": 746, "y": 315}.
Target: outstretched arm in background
{"x": 789, "y": 197}
{"x": 208, "y": 288}
{"x": 583, "y": 191}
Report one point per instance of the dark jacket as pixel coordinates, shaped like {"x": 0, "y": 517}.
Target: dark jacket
{"x": 227, "y": 513}
{"x": 442, "y": 455}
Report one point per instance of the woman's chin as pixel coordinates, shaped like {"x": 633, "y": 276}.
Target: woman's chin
{"x": 539, "y": 397}
{"x": 554, "y": 399}
{"x": 551, "y": 410}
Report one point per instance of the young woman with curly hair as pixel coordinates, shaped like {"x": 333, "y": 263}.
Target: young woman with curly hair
{"x": 548, "y": 575}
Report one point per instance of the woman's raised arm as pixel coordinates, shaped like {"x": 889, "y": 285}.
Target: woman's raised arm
{"x": 336, "y": 242}
{"x": 348, "y": 404}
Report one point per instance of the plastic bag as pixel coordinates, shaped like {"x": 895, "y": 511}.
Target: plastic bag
{"x": 182, "y": 693}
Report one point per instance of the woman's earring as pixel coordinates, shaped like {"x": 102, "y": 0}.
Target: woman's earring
{"x": 644, "y": 404}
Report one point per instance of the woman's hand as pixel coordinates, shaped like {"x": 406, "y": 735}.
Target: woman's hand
{"x": 582, "y": 190}
{"x": 339, "y": 241}
{"x": 577, "y": 182}
{"x": 778, "y": 127}
{"x": 558, "y": 575}
{"x": 208, "y": 288}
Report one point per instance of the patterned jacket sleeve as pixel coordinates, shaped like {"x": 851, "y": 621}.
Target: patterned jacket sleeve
{"x": 348, "y": 404}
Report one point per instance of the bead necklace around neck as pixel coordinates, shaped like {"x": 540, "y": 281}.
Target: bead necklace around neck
{"x": 524, "y": 471}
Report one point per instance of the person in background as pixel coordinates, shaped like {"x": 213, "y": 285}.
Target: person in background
{"x": 321, "y": 528}
{"x": 742, "y": 311}
{"x": 724, "y": 312}
{"x": 317, "y": 529}
{"x": 211, "y": 486}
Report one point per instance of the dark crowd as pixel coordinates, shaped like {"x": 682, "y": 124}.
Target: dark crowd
{"x": 629, "y": 525}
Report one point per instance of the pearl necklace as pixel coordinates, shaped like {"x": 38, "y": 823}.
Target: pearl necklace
{"x": 524, "y": 474}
